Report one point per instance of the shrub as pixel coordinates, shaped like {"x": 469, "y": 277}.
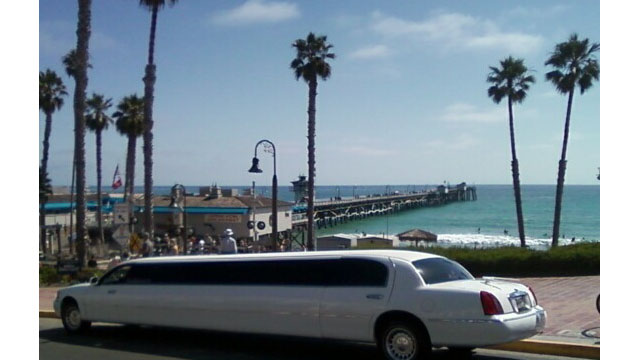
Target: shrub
{"x": 48, "y": 275}
{"x": 570, "y": 260}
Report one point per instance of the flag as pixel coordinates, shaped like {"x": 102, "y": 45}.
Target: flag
{"x": 117, "y": 181}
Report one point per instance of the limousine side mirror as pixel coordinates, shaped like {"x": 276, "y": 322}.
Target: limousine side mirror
{"x": 93, "y": 280}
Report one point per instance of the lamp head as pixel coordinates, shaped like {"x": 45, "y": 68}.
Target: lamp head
{"x": 254, "y": 167}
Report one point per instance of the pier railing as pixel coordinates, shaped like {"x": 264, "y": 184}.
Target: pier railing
{"x": 333, "y": 212}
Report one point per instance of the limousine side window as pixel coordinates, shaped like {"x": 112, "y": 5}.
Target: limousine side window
{"x": 321, "y": 272}
{"x": 356, "y": 272}
{"x": 117, "y": 276}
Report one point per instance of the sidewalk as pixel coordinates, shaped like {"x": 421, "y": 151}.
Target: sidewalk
{"x": 570, "y": 302}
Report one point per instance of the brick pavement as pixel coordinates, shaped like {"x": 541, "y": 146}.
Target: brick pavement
{"x": 569, "y": 302}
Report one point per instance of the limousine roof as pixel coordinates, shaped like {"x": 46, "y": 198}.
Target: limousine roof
{"x": 396, "y": 254}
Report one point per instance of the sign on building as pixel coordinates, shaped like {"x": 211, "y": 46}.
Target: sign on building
{"x": 222, "y": 218}
{"x": 121, "y": 213}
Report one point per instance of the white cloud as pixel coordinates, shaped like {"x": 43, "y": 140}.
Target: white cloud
{"x": 370, "y": 52}
{"x": 58, "y": 37}
{"x": 457, "y": 32}
{"x": 257, "y": 11}
{"x": 460, "y": 112}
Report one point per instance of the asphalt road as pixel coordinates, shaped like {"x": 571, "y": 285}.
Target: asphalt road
{"x": 117, "y": 342}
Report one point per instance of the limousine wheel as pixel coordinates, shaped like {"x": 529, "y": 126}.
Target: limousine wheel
{"x": 71, "y": 318}
{"x": 403, "y": 341}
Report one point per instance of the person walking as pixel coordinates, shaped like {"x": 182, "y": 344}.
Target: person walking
{"x": 147, "y": 245}
{"x": 228, "y": 243}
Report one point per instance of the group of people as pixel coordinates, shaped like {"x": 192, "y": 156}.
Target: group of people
{"x": 167, "y": 245}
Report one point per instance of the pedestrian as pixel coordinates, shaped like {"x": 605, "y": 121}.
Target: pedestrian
{"x": 173, "y": 247}
{"x": 228, "y": 243}
{"x": 147, "y": 245}
{"x": 92, "y": 263}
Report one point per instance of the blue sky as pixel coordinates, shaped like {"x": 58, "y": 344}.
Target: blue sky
{"x": 406, "y": 103}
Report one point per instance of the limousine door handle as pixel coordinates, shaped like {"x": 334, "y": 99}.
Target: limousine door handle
{"x": 111, "y": 291}
{"x": 375, "y": 296}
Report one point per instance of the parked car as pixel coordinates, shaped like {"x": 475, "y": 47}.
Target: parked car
{"x": 407, "y": 302}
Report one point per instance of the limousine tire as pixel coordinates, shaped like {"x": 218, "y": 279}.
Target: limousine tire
{"x": 71, "y": 318}
{"x": 404, "y": 340}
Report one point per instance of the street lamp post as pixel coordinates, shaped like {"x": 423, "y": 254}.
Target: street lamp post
{"x": 270, "y": 148}
{"x": 174, "y": 205}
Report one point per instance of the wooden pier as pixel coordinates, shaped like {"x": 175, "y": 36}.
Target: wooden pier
{"x": 335, "y": 212}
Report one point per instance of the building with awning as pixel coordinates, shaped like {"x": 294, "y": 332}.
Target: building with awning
{"x": 247, "y": 216}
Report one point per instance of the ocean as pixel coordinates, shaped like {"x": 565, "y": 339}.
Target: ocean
{"x": 473, "y": 223}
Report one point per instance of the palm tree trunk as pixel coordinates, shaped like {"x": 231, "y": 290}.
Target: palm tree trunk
{"x": 99, "y": 175}
{"x": 562, "y": 168}
{"x": 311, "y": 150}
{"x": 45, "y": 160}
{"x": 83, "y": 33}
{"x": 515, "y": 172}
{"x": 128, "y": 183}
{"x": 149, "y": 81}
{"x": 131, "y": 166}
{"x": 45, "y": 142}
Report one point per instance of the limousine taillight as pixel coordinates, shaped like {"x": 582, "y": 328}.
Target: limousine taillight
{"x": 490, "y": 304}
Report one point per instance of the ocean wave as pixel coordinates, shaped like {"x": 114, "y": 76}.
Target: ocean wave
{"x": 476, "y": 241}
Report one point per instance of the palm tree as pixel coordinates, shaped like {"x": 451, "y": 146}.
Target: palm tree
{"x": 70, "y": 62}
{"x": 311, "y": 63}
{"x": 51, "y": 92}
{"x": 129, "y": 122}
{"x": 98, "y": 121}
{"x": 83, "y": 33}
{"x": 45, "y": 191}
{"x": 575, "y": 63}
{"x": 511, "y": 80}
{"x": 149, "y": 82}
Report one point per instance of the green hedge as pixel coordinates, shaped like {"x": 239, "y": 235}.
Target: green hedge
{"x": 49, "y": 276}
{"x": 570, "y": 260}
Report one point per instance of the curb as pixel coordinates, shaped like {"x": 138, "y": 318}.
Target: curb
{"x": 551, "y": 348}
{"x": 525, "y": 346}
{"x": 48, "y": 314}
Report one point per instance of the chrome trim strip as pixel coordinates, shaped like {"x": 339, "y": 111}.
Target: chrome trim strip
{"x": 466, "y": 321}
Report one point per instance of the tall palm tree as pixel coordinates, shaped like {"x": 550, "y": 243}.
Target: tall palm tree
{"x": 70, "y": 62}
{"x": 83, "y": 34}
{"x": 129, "y": 122}
{"x": 575, "y": 63}
{"x": 51, "y": 92}
{"x": 310, "y": 63}
{"x": 511, "y": 80}
{"x": 97, "y": 121}
{"x": 149, "y": 82}
{"x": 45, "y": 191}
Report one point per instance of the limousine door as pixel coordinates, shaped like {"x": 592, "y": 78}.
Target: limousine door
{"x": 102, "y": 300}
{"x": 266, "y": 296}
{"x": 357, "y": 289}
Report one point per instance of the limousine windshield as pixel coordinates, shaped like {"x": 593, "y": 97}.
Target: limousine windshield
{"x": 321, "y": 272}
{"x": 439, "y": 270}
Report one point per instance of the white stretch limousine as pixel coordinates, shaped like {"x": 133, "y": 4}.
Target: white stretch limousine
{"x": 404, "y": 301}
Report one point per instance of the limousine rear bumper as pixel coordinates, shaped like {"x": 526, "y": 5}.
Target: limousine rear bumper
{"x": 485, "y": 332}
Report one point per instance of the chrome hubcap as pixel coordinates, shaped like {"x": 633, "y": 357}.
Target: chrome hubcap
{"x": 400, "y": 344}
{"x": 73, "y": 318}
